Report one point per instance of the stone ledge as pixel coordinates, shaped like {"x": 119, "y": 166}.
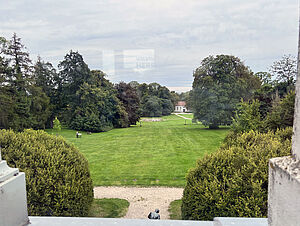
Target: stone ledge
{"x": 13, "y": 204}
{"x": 6, "y": 172}
{"x": 284, "y": 192}
{"x": 287, "y": 164}
{"x": 81, "y": 221}
{"x": 240, "y": 221}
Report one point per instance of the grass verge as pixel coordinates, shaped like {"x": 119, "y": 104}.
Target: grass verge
{"x": 109, "y": 208}
{"x": 175, "y": 210}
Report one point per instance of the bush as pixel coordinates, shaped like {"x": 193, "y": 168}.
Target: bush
{"x": 152, "y": 107}
{"x": 56, "y": 125}
{"x": 167, "y": 106}
{"x": 233, "y": 182}
{"x": 91, "y": 123}
{"x": 58, "y": 181}
{"x": 247, "y": 117}
{"x": 282, "y": 115}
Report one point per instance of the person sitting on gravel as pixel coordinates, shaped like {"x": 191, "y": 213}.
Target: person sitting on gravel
{"x": 154, "y": 215}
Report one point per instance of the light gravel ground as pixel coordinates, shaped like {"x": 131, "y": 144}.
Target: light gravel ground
{"x": 142, "y": 199}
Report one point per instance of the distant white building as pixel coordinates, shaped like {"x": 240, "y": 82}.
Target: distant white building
{"x": 181, "y": 107}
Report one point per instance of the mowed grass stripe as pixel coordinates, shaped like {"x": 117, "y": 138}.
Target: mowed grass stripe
{"x": 158, "y": 153}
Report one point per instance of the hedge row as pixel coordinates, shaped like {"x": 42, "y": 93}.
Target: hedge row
{"x": 233, "y": 182}
{"x": 58, "y": 180}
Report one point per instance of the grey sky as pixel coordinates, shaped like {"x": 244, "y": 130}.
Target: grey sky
{"x": 154, "y": 41}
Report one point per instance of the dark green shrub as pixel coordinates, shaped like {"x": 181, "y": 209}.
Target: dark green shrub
{"x": 167, "y": 106}
{"x": 282, "y": 114}
{"x": 58, "y": 181}
{"x": 152, "y": 107}
{"x": 247, "y": 117}
{"x": 233, "y": 182}
{"x": 91, "y": 123}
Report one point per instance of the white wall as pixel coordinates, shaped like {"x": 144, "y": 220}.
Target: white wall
{"x": 284, "y": 192}
{"x": 13, "y": 201}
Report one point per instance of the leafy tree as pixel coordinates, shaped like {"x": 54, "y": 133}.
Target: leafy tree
{"x": 175, "y": 97}
{"x": 167, "y": 106}
{"x": 20, "y": 63}
{"x": 282, "y": 114}
{"x": 184, "y": 96}
{"x": 154, "y": 89}
{"x": 5, "y": 69}
{"x": 134, "y": 84}
{"x": 85, "y": 99}
{"x": 39, "y": 108}
{"x": 264, "y": 77}
{"x": 127, "y": 94}
{"x": 285, "y": 69}
{"x": 6, "y": 108}
{"x": 56, "y": 124}
{"x": 219, "y": 84}
{"x": 73, "y": 72}
{"x": 164, "y": 101}
{"x": 98, "y": 107}
{"x": 143, "y": 91}
{"x": 152, "y": 107}
{"x": 23, "y": 104}
{"x": 166, "y": 96}
{"x": 46, "y": 78}
{"x": 285, "y": 72}
{"x": 18, "y": 82}
{"x": 6, "y": 96}
{"x": 247, "y": 117}
{"x": 265, "y": 95}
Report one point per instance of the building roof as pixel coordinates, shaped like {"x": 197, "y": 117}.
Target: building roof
{"x": 181, "y": 103}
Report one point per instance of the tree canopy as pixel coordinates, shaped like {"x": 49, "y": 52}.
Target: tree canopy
{"x": 219, "y": 84}
{"x": 35, "y": 95}
{"x": 284, "y": 71}
{"x": 127, "y": 94}
{"x": 156, "y": 100}
{"x": 23, "y": 103}
{"x": 98, "y": 107}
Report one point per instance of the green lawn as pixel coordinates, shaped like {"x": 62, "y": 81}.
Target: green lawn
{"x": 175, "y": 210}
{"x": 158, "y": 153}
{"x": 109, "y": 208}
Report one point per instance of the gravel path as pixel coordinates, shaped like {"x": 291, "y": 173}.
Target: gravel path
{"x": 178, "y": 114}
{"x": 142, "y": 199}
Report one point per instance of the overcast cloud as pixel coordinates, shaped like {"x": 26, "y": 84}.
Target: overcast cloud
{"x": 154, "y": 41}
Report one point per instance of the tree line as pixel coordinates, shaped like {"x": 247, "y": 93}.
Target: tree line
{"x": 32, "y": 95}
{"x": 223, "y": 84}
